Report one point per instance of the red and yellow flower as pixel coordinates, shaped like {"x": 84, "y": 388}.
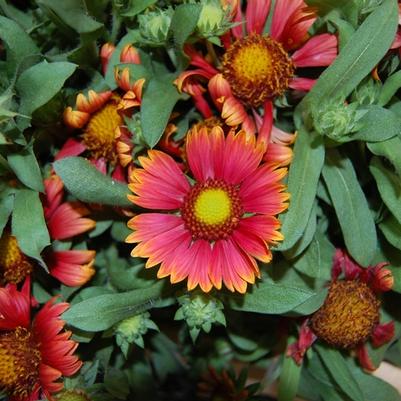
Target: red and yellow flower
{"x": 255, "y": 67}
{"x": 213, "y": 230}
{"x": 100, "y": 117}
{"x": 350, "y": 315}
{"x": 34, "y": 353}
{"x": 66, "y": 220}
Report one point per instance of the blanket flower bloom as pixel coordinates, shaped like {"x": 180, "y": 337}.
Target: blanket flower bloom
{"x": 100, "y": 117}
{"x": 255, "y": 68}
{"x": 216, "y": 227}
{"x": 34, "y": 353}
{"x": 350, "y": 315}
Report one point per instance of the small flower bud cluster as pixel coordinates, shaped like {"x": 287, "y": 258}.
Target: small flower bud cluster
{"x": 200, "y": 311}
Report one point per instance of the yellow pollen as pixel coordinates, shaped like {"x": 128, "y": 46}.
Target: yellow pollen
{"x": 212, "y": 210}
{"x": 19, "y": 362}
{"x": 14, "y": 265}
{"x": 348, "y": 315}
{"x": 99, "y": 135}
{"x": 257, "y": 68}
{"x": 213, "y": 206}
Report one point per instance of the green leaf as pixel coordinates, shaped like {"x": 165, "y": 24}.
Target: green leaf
{"x": 38, "y": 84}
{"x": 389, "y": 88}
{"x": 352, "y": 210}
{"x": 390, "y": 149}
{"x": 340, "y": 372}
{"x": 28, "y": 224}
{"x": 26, "y": 168}
{"x": 159, "y": 98}
{"x": 19, "y": 44}
{"x": 6, "y": 206}
{"x": 138, "y": 7}
{"x": 302, "y": 185}
{"x": 378, "y": 124}
{"x": 183, "y": 22}
{"x": 88, "y": 184}
{"x": 101, "y": 312}
{"x": 391, "y": 229}
{"x": 289, "y": 380}
{"x": 389, "y": 185}
{"x": 325, "y": 6}
{"x": 362, "y": 52}
{"x": 70, "y": 15}
{"x": 271, "y": 298}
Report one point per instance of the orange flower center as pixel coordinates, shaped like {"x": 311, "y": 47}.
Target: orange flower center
{"x": 100, "y": 132}
{"x": 348, "y": 315}
{"x": 14, "y": 265}
{"x": 19, "y": 362}
{"x": 212, "y": 210}
{"x": 257, "y": 68}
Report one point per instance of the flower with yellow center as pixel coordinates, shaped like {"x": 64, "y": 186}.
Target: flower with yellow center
{"x": 219, "y": 225}
{"x": 100, "y": 132}
{"x": 257, "y": 68}
{"x": 14, "y": 265}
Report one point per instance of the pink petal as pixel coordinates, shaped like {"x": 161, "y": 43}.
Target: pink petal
{"x": 160, "y": 184}
{"x": 302, "y": 84}
{"x": 283, "y": 11}
{"x": 261, "y": 226}
{"x": 319, "y": 51}
{"x": 72, "y": 147}
{"x": 383, "y": 333}
{"x": 256, "y": 14}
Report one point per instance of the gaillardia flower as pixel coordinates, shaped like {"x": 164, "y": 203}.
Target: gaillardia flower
{"x": 350, "y": 315}
{"x": 256, "y": 67}
{"x": 34, "y": 354}
{"x": 217, "y": 226}
{"x": 100, "y": 117}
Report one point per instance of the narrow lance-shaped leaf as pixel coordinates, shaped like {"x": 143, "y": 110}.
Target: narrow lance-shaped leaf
{"x": 302, "y": 185}
{"x": 101, "y": 312}
{"x": 88, "y": 184}
{"x": 352, "y": 210}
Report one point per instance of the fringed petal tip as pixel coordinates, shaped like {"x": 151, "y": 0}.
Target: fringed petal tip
{"x": 74, "y": 118}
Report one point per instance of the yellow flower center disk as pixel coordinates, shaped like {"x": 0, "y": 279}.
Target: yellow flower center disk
{"x": 19, "y": 362}
{"x": 99, "y": 135}
{"x": 348, "y": 315}
{"x": 14, "y": 265}
{"x": 212, "y": 210}
{"x": 257, "y": 68}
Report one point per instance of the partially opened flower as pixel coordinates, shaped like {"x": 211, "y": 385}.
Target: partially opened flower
{"x": 66, "y": 220}
{"x": 100, "y": 116}
{"x": 211, "y": 231}
{"x": 350, "y": 315}
{"x": 34, "y": 353}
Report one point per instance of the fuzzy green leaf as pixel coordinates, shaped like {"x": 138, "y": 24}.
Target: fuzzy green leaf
{"x": 390, "y": 149}
{"x": 19, "y": 44}
{"x": 184, "y": 22}
{"x": 159, "y": 98}
{"x": 389, "y": 88}
{"x": 38, "y": 84}
{"x": 340, "y": 372}
{"x": 289, "y": 380}
{"x": 88, "y": 184}
{"x": 138, "y": 7}
{"x": 26, "y": 168}
{"x": 302, "y": 185}
{"x": 391, "y": 229}
{"x": 389, "y": 185}
{"x": 28, "y": 224}
{"x": 362, "y": 52}
{"x": 101, "y": 312}
{"x": 272, "y": 298}
{"x": 352, "y": 210}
